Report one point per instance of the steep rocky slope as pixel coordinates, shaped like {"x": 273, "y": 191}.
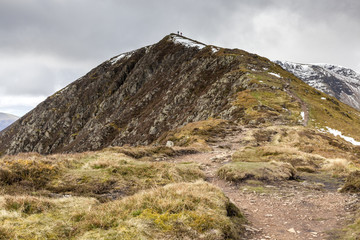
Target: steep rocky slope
{"x": 6, "y": 120}
{"x": 252, "y": 152}
{"x": 137, "y": 96}
{"x": 340, "y": 82}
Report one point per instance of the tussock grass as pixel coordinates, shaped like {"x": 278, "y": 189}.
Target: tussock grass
{"x": 48, "y": 218}
{"x": 104, "y": 174}
{"x": 352, "y": 183}
{"x": 148, "y": 152}
{"x": 29, "y": 171}
{"x": 338, "y": 166}
{"x": 197, "y": 211}
{"x": 298, "y": 159}
{"x": 264, "y": 171}
{"x": 306, "y": 149}
{"x": 27, "y": 204}
{"x": 177, "y": 211}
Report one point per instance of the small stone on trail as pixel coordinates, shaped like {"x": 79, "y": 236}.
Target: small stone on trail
{"x": 292, "y": 230}
{"x": 169, "y": 144}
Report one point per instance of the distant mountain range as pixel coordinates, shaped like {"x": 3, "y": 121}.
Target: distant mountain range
{"x": 6, "y": 120}
{"x": 340, "y": 82}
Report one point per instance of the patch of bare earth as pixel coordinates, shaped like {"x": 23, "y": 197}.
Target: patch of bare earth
{"x": 281, "y": 210}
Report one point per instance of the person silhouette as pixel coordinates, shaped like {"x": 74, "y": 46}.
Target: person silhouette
{"x": 178, "y": 32}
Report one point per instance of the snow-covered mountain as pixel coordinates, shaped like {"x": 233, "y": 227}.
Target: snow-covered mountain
{"x": 6, "y": 120}
{"x": 340, "y": 82}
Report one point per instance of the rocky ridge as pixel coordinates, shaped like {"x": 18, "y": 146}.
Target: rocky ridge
{"x": 136, "y": 97}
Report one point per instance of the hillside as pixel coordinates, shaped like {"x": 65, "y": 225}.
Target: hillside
{"x": 339, "y": 82}
{"x": 136, "y": 97}
{"x": 6, "y": 120}
{"x": 183, "y": 140}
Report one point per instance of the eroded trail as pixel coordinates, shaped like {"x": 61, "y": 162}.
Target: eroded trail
{"x": 304, "y": 107}
{"x": 283, "y": 210}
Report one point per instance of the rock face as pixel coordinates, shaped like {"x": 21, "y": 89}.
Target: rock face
{"x": 136, "y": 97}
{"x": 339, "y": 82}
{"x": 6, "y": 120}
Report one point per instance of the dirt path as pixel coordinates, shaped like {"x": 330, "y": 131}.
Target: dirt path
{"x": 304, "y": 107}
{"x": 287, "y": 210}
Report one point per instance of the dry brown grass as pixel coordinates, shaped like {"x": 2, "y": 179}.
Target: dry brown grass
{"x": 195, "y": 134}
{"x": 264, "y": 171}
{"x": 306, "y": 149}
{"x": 177, "y": 211}
{"x": 352, "y": 183}
{"x": 339, "y": 167}
{"x": 105, "y": 174}
{"x": 27, "y": 204}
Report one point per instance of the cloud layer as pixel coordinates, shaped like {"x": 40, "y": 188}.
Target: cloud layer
{"x": 45, "y": 45}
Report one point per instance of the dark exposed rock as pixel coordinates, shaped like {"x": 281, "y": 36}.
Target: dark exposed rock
{"x": 133, "y": 99}
{"x": 137, "y": 97}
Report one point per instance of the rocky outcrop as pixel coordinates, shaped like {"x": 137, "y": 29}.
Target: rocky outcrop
{"x": 134, "y": 97}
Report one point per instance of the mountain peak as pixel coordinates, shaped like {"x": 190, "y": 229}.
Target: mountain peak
{"x": 140, "y": 96}
{"x": 188, "y": 42}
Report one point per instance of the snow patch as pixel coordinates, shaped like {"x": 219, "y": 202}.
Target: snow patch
{"x": 322, "y": 98}
{"x": 187, "y": 42}
{"x": 121, "y": 56}
{"x": 303, "y": 116}
{"x": 215, "y": 49}
{"x": 338, "y": 133}
{"x": 274, "y": 74}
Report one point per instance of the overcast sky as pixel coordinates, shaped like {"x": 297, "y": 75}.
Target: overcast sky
{"x": 47, "y": 44}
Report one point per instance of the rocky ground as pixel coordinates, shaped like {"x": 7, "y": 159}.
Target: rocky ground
{"x": 306, "y": 208}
